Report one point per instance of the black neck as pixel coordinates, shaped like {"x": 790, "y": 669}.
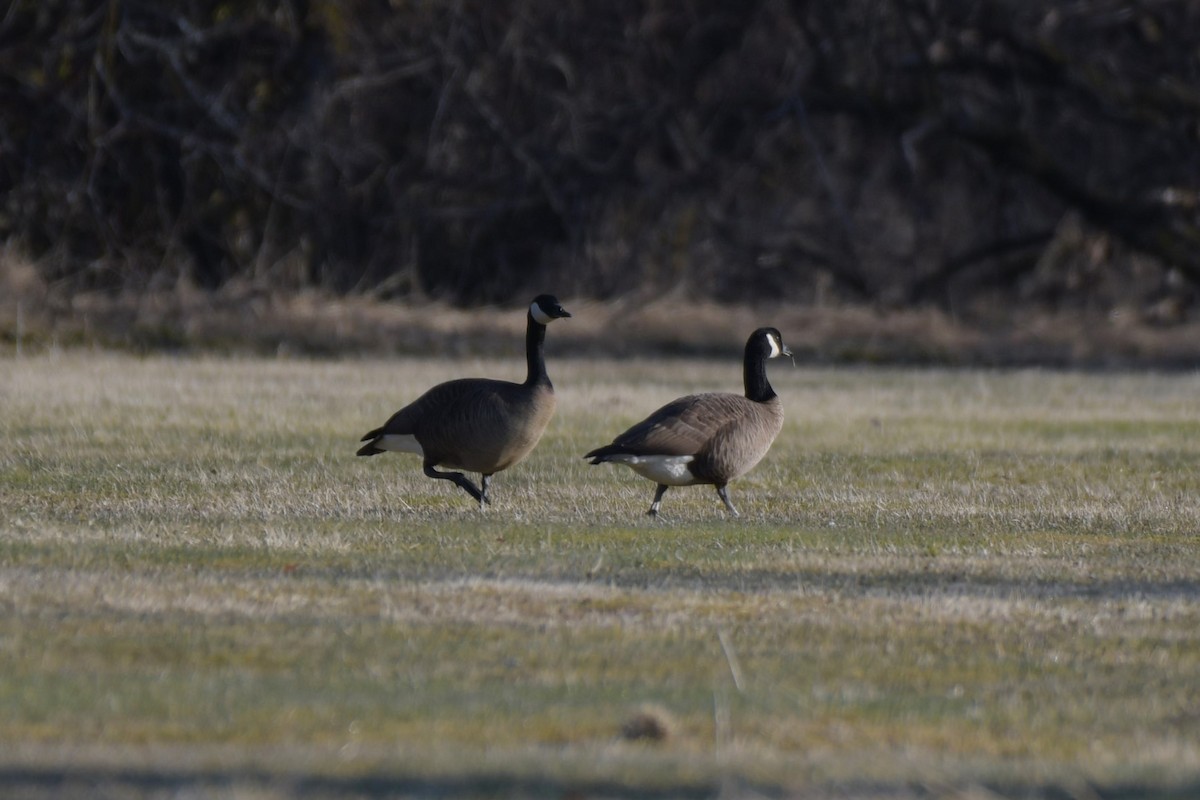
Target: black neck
{"x": 535, "y": 338}
{"x": 758, "y": 388}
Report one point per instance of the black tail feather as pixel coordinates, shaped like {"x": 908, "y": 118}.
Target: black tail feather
{"x": 602, "y": 454}
{"x": 370, "y": 449}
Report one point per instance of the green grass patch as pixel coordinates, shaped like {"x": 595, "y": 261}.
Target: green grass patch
{"x": 940, "y": 578}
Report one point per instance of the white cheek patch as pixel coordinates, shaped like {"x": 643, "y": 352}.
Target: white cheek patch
{"x": 406, "y": 443}
{"x": 776, "y": 345}
{"x": 667, "y": 470}
{"x": 539, "y": 316}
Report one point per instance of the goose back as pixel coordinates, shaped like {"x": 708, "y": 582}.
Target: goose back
{"x": 726, "y": 434}
{"x": 476, "y": 424}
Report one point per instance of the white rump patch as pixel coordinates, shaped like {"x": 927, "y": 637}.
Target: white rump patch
{"x": 667, "y": 470}
{"x": 400, "y": 443}
{"x": 539, "y": 316}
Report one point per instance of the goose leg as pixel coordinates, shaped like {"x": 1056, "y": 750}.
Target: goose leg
{"x": 462, "y": 480}
{"x": 723, "y": 492}
{"x": 484, "y": 483}
{"x": 662, "y": 489}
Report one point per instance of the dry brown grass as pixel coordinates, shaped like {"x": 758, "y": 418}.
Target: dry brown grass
{"x": 944, "y": 580}
{"x": 245, "y": 318}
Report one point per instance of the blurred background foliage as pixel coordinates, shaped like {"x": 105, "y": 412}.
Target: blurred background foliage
{"x": 895, "y": 152}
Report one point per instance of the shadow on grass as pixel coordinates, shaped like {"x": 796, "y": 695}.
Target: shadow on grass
{"x": 935, "y": 582}
{"x": 68, "y": 784}
{"x": 905, "y": 583}
{"x": 36, "y": 783}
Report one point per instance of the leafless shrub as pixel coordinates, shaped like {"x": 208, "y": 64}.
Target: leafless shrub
{"x": 902, "y": 152}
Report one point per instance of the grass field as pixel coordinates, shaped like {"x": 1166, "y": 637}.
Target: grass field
{"x": 944, "y": 584}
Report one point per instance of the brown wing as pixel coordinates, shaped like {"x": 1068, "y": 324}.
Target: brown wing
{"x": 446, "y": 400}
{"x": 476, "y": 424}
{"x": 681, "y": 427}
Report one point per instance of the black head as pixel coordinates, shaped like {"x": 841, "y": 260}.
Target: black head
{"x": 767, "y": 343}
{"x": 545, "y": 308}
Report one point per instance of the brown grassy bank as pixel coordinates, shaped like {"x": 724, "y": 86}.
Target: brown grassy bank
{"x": 243, "y": 318}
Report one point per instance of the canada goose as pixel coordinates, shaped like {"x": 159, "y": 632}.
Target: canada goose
{"x": 477, "y": 424}
{"x": 708, "y": 438}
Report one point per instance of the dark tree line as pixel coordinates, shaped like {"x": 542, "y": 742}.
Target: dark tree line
{"x": 895, "y": 151}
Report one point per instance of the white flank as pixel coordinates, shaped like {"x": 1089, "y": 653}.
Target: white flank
{"x": 668, "y": 470}
{"x": 406, "y": 443}
{"x": 539, "y": 316}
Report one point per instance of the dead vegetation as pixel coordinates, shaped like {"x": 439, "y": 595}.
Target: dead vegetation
{"x": 245, "y": 318}
{"x": 963, "y": 157}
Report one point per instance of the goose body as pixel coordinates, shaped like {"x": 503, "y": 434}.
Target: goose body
{"x": 477, "y": 424}
{"x": 710, "y": 438}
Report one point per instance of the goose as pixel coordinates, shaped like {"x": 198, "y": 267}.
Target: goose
{"x": 477, "y": 424}
{"x": 709, "y": 438}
